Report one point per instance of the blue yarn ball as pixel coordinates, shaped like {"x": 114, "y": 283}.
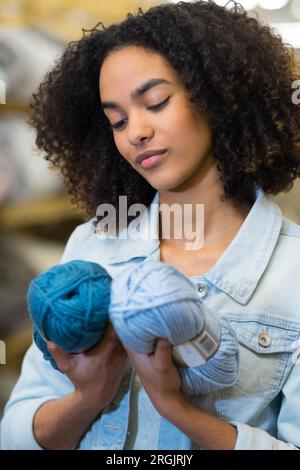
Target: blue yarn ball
{"x": 69, "y": 305}
{"x": 42, "y": 345}
{"x": 153, "y": 300}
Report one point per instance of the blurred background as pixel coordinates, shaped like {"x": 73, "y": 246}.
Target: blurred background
{"x": 36, "y": 216}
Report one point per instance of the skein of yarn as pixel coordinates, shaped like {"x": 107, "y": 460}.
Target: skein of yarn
{"x": 71, "y": 303}
{"x": 154, "y": 299}
{"x": 69, "y": 306}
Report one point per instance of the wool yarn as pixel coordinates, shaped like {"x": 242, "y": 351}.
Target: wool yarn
{"x": 69, "y": 306}
{"x": 154, "y": 299}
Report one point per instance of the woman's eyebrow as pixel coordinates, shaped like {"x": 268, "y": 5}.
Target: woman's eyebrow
{"x": 138, "y": 92}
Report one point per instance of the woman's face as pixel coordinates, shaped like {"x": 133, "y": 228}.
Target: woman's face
{"x": 147, "y": 106}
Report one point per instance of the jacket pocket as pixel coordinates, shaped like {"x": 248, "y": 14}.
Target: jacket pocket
{"x": 266, "y": 358}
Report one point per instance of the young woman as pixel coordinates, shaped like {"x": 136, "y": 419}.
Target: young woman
{"x": 206, "y": 92}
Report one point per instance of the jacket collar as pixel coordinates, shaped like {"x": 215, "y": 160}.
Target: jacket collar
{"x": 239, "y": 269}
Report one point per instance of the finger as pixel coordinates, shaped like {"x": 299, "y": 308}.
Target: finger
{"x": 61, "y": 357}
{"x": 110, "y": 332}
{"x": 107, "y": 343}
{"x": 132, "y": 355}
{"x": 163, "y": 346}
{"x": 119, "y": 348}
{"x": 139, "y": 360}
{"x": 163, "y": 353}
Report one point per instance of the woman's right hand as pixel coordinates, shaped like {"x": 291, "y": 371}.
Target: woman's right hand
{"x": 97, "y": 373}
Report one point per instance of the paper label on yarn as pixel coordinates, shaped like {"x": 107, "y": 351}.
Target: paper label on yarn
{"x": 197, "y": 352}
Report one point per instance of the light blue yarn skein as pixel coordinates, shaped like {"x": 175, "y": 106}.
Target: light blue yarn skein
{"x": 69, "y": 306}
{"x": 154, "y": 300}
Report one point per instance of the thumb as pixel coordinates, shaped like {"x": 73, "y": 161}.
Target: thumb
{"x": 61, "y": 357}
{"x": 163, "y": 344}
{"x": 162, "y": 355}
{"x": 107, "y": 343}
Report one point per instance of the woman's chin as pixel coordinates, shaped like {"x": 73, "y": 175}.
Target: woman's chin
{"x": 171, "y": 186}
{"x": 165, "y": 182}
{"x": 164, "y": 185}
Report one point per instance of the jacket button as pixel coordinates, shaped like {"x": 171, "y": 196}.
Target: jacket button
{"x": 264, "y": 339}
{"x": 202, "y": 290}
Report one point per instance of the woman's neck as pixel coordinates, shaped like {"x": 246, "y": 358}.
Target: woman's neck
{"x": 221, "y": 220}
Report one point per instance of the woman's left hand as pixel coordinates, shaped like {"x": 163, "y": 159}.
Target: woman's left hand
{"x": 158, "y": 375}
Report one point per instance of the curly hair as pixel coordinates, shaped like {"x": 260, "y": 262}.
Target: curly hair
{"x": 235, "y": 70}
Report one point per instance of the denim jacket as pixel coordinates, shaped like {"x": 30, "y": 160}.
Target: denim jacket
{"x": 255, "y": 285}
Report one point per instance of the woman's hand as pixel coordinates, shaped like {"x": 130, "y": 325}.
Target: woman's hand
{"x": 97, "y": 373}
{"x": 162, "y": 382}
{"x": 158, "y": 375}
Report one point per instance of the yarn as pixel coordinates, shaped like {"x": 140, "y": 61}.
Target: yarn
{"x": 154, "y": 299}
{"x": 69, "y": 306}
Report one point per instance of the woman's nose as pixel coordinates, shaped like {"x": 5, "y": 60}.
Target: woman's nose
{"x": 139, "y": 130}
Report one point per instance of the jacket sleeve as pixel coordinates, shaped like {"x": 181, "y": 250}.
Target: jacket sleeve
{"x": 38, "y": 383}
{"x": 288, "y": 422}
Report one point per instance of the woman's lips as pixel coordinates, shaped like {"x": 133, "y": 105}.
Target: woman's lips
{"x": 154, "y": 160}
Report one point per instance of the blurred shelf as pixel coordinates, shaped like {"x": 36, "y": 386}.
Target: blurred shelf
{"x": 45, "y": 210}
{"x": 17, "y": 344}
{"x": 37, "y": 253}
{"x": 12, "y": 107}
{"x": 65, "y": 19}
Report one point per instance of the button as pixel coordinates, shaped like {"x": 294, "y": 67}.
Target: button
{"x": 202, "y": 290}
{"x": 264, "y": 339}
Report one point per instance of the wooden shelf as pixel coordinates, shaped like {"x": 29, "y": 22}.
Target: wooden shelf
{"x": 17, "y": 343}
{"x": 64, "y": 19}
{"x": 46, "y": 210}
{"x": 14, "y": 107}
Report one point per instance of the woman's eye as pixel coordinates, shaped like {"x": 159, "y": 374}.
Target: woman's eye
{"x": 159, "y": 105}
{"x": 118, "y": 124}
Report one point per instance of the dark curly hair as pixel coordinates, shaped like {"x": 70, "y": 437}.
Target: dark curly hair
{"x": 235, "y": 70}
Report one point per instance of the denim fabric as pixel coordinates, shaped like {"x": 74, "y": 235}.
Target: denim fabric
{"x": 254, "y": 285}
